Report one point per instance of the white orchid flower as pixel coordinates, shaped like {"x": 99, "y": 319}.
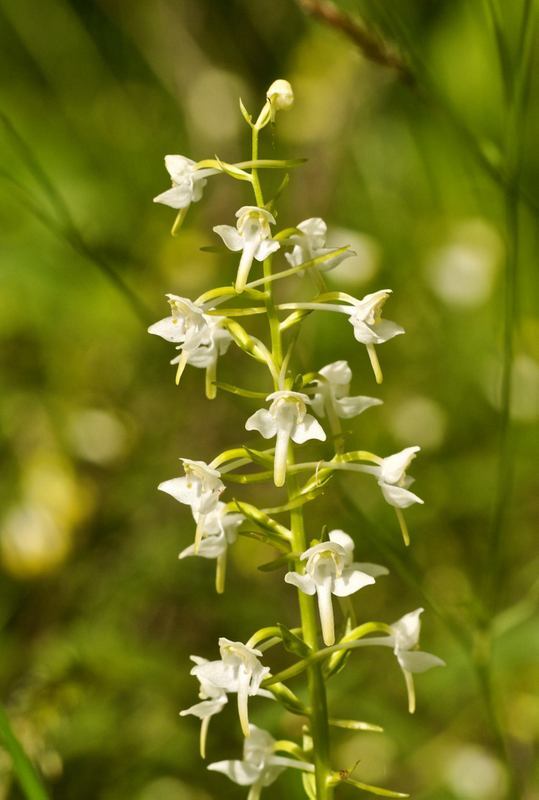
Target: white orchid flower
{"x": 188, "y": 182}
{"x": 213, "y": 700}
{"x": 260, "y": 765}
{"x": 404, "y": 641}
{"x": 369, "y": 327}
{"x": 330, "y": 569}
{"x": 186, "y": 324}
{"x": 366, "y": 318}
{"x": 394, "y": 482}
{"x": 239, "y": 671}
{"x": 252, "y": 236}
{"x": 311, "y": 243}
{"x": 200, "y": 337}
{"x": 333, "y": 392}
{"x": 286, "y": 419}
{"x": 200, "y": 488}
{"x": 217, "y": 530}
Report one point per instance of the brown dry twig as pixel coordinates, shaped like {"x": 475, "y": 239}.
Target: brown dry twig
{"x": 371, "y": 44}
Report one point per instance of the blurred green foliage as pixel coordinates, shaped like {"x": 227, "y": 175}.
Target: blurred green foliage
{"x": 97, "y": 616}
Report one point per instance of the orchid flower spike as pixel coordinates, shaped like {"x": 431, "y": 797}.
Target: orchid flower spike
{"x": 213, "y": 700}
{"x": 332, "y": 395}
{"x": 217, "y": 530}
{"x": 201, "y": 338}
{"x": 188, "y": 182}
{"x": 330, "y": 569}
{"x": 370, "y": 328}
{"x": 286, "y": 419}
{"x": 260, "y": 765}
{"x": 252, "y": 236}
{"x": 239, "y": 671}
{"x": 311, "y": 243}
{"x": 404, "y": 640}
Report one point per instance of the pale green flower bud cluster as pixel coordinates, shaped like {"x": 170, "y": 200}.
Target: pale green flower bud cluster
{"x": 303, "y": 407}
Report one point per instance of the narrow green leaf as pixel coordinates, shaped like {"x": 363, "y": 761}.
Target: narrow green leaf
{"x": 212, "y": 248}
{"x": 277, "y": 563}
{"x": 292, "y": 643}
{"x": 272, "y": 163}
{"x": 263, "y": 520}
{"x": 336, "y": 663}
{"x": 262, "y": 457}
{"x": 288, "y": 699}
{"x": 25, "y": 772}
{"x": 310, "y": 264}
{"x": 245, "y": 114}
{"x": 355, "y": 725}
{"x": 228, "y": 387}
{"x": 280, "y": 189}
{"x": 377, "y": 790}
{"x": 293, "y": 319}
{"x": 297, "y": 502}
{"x": 309, "y": 785}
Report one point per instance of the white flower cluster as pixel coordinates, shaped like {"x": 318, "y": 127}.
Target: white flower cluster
{"x": 300, "y": 409}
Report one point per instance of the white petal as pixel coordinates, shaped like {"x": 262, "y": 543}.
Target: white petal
{"x": 218, "y": 674}
{"x": 266, "y": 248}
{"x": 331, "y": 263}
{"x": 344, "y": 540}
{"x": 230, "y": 237}
{"x": 296, "y": 257}
{"x": 397, "y": 496}
{"x": 348, "y": 407}
{"x": 207, "y": 708}
{"x": 372, "y": 303}
{"x": 179, "y": 489}
{"x": 309, "y": 428}
{"x": 177, "y": 197}
{"x": 385, "y": 329}
{"x": 261, "y": 212}
{"x": 363, "y": 333}
{"x": 263, "y": 422}
{"x": 350, "y": 581}
{"x": 407, "y": 629}
{"x": 178, "y": 167}
{"x": 284, "y": 762}
{"x": 314, "y": 226}
{"x": 169, "y": 328}
{"x": 371, "y": 569}
{"x": 418, "y": 661}
{"x": 338, "y": 372}
{"x": 303, "y": 582}
{"x": 231, "y": 523}
{"x": 210, "y": 547}
{"x": 318, "y": 404}
{"x": 393, "y": 467}
{"x": 241, "y": 772}
{"x": 325, "y": 609}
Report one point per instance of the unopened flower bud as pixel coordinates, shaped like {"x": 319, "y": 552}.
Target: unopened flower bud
{"x": 280, "y": 95}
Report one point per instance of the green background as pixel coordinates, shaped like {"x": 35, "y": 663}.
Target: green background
{"x": 97, "y": 616}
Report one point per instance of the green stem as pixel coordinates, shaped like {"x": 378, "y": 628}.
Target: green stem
{"x": 307, "y": 607}
{"x": 315, "y": 678}
{"x": 27, "y": 776}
